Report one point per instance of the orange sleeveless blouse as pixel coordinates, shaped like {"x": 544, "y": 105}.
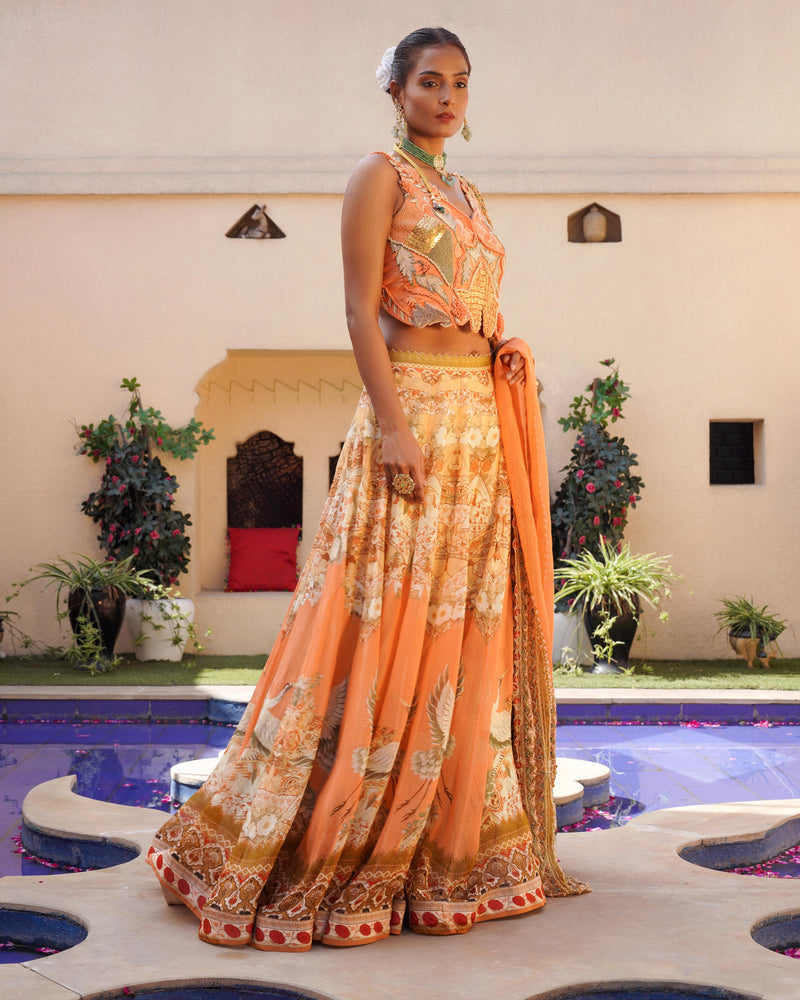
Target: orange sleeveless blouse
{"x": 440, "y": 265}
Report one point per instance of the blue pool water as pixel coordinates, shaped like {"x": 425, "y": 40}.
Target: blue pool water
{"x": 124, "y": 762}
{"x": 652, "y": 766}
{"x": 662, "y": 766}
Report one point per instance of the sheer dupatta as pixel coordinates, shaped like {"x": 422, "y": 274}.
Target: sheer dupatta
{"x": 534, "y": 715}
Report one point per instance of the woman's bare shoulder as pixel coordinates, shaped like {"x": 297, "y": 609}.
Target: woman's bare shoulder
{"x": 374, "y": 178}
{"x": 375, "y": 167}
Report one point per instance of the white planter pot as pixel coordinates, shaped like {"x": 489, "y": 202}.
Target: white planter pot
{"x": 162, "y": 626}
{"x": 570, "y": 640}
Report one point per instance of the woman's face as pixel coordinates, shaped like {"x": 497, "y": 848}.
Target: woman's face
{"x": 435, "y": 96}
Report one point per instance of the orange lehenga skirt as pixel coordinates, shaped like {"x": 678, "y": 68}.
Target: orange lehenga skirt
{"x": 378, "y": 772}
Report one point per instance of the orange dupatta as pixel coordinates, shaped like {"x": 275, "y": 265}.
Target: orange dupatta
{"x": 534, "y": 714}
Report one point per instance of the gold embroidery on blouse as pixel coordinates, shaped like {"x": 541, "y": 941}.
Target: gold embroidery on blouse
{"x": 480, "y": 299}
{"x": 435, "y": 240}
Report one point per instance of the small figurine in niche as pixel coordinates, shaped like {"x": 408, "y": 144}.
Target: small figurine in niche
{"x": 255, "y": 224}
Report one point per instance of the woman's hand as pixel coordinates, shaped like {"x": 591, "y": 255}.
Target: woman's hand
{"x": 401, "y": 453}
{"x": 514, "y": 362}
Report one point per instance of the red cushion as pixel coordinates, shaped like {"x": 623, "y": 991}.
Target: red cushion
{"x": 263, "y": 558}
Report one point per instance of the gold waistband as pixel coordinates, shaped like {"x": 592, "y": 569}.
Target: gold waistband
{"x": 441, "y": 360}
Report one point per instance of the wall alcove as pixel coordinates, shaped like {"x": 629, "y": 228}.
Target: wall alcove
{"x": 303, "y": 398}
{"x": 613, "y": 225}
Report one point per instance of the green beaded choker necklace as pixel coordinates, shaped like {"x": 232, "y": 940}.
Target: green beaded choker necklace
{"x": 438, "y": 162}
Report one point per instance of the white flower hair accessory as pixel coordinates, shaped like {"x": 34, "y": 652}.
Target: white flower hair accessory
{"x": 383, "y": 74}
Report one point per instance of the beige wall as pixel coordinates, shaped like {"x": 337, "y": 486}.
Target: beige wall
{"x": 567, "y": 95}
{"x": 632, "y": 104}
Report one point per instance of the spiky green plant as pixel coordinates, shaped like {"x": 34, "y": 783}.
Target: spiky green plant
{"x": 613, "y": 583}
{"x": 740, "y": 617}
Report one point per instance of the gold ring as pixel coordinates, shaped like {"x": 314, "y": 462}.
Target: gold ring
{"x": 403, "y": 484}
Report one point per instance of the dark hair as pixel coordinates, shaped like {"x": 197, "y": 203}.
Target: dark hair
{"x": 407, "y": 51}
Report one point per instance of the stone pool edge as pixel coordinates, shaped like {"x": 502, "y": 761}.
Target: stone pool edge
{"x": 222, "y": 703}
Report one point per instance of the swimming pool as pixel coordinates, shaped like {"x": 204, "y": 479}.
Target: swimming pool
{"x": 660, "y": 766}
{"x": 653, "y": 766}
{"x": 123, "y": 762}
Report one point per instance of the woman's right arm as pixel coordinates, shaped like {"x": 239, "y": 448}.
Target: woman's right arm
{"x": 370, "y": 200}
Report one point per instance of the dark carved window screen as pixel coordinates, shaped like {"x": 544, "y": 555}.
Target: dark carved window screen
{"x": 265, "y": 484}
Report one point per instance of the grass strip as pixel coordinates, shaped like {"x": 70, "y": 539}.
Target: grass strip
{"x": 37, "y": 671}
{"x": 728, "y": 674}
{"x": 713, "y": 675}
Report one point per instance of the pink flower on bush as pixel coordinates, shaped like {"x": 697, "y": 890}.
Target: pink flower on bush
{"x": 618, "y": 483}
{"x": 582, "y": 540}
{"x": 159, "y": 442}
{"x": 176, "y": 533}
{"x": 136, "y": 550}
{"x": 155, "y": 535}
{"x": 596, "y": 519}
{"x": 599, "y": 464}
{"x": 581, "y": 442}
{"x": 137, "y": 531}
{"x": 580, "y": 474}
{"x": 617, "y": 522}
{"x": 615, "y": 412}
{"x": 134, "y": 458}
{"x": 632, "y": 498}
{"x": 108, "y": 461}
{"x": 111, "y": 536}
{"x": 590, "y": 488}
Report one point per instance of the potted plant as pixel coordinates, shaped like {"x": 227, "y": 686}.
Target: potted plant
{"x": 609, "y": 590}
{"x": 752, "y": 631}
{"x": 92, "y": 595}
{"x": 596, "y": 494}
{"x": 599, "y": 489}
{"x": 135, "y": 510}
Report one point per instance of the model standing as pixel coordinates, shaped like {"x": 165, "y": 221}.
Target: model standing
{"x": 397, "y": 758}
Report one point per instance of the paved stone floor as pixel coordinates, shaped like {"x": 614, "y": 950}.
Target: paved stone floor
{"x": 652, "y": 917}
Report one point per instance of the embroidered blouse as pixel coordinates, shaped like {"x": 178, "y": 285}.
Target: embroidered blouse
{"x": 442, "y": 266}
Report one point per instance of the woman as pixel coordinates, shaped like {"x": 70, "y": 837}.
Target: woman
{"x": 396, "y": 758}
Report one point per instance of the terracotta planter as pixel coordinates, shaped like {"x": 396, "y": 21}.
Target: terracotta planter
{"x": 751, "y": 647}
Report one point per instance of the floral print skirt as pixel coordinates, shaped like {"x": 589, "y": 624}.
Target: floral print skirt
{"x": 371, "y": 781}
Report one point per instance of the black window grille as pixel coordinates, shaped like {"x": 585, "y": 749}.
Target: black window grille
{"x": 731, "y": 452}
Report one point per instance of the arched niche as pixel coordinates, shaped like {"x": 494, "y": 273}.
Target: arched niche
{"x": 304, "y": 397}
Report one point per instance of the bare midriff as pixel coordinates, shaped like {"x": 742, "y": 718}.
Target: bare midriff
{"x": 432, "y": 339}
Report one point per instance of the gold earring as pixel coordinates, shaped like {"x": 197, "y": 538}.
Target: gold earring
{"x": 399, "y": 130}
{"x": 466, "y": 131}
